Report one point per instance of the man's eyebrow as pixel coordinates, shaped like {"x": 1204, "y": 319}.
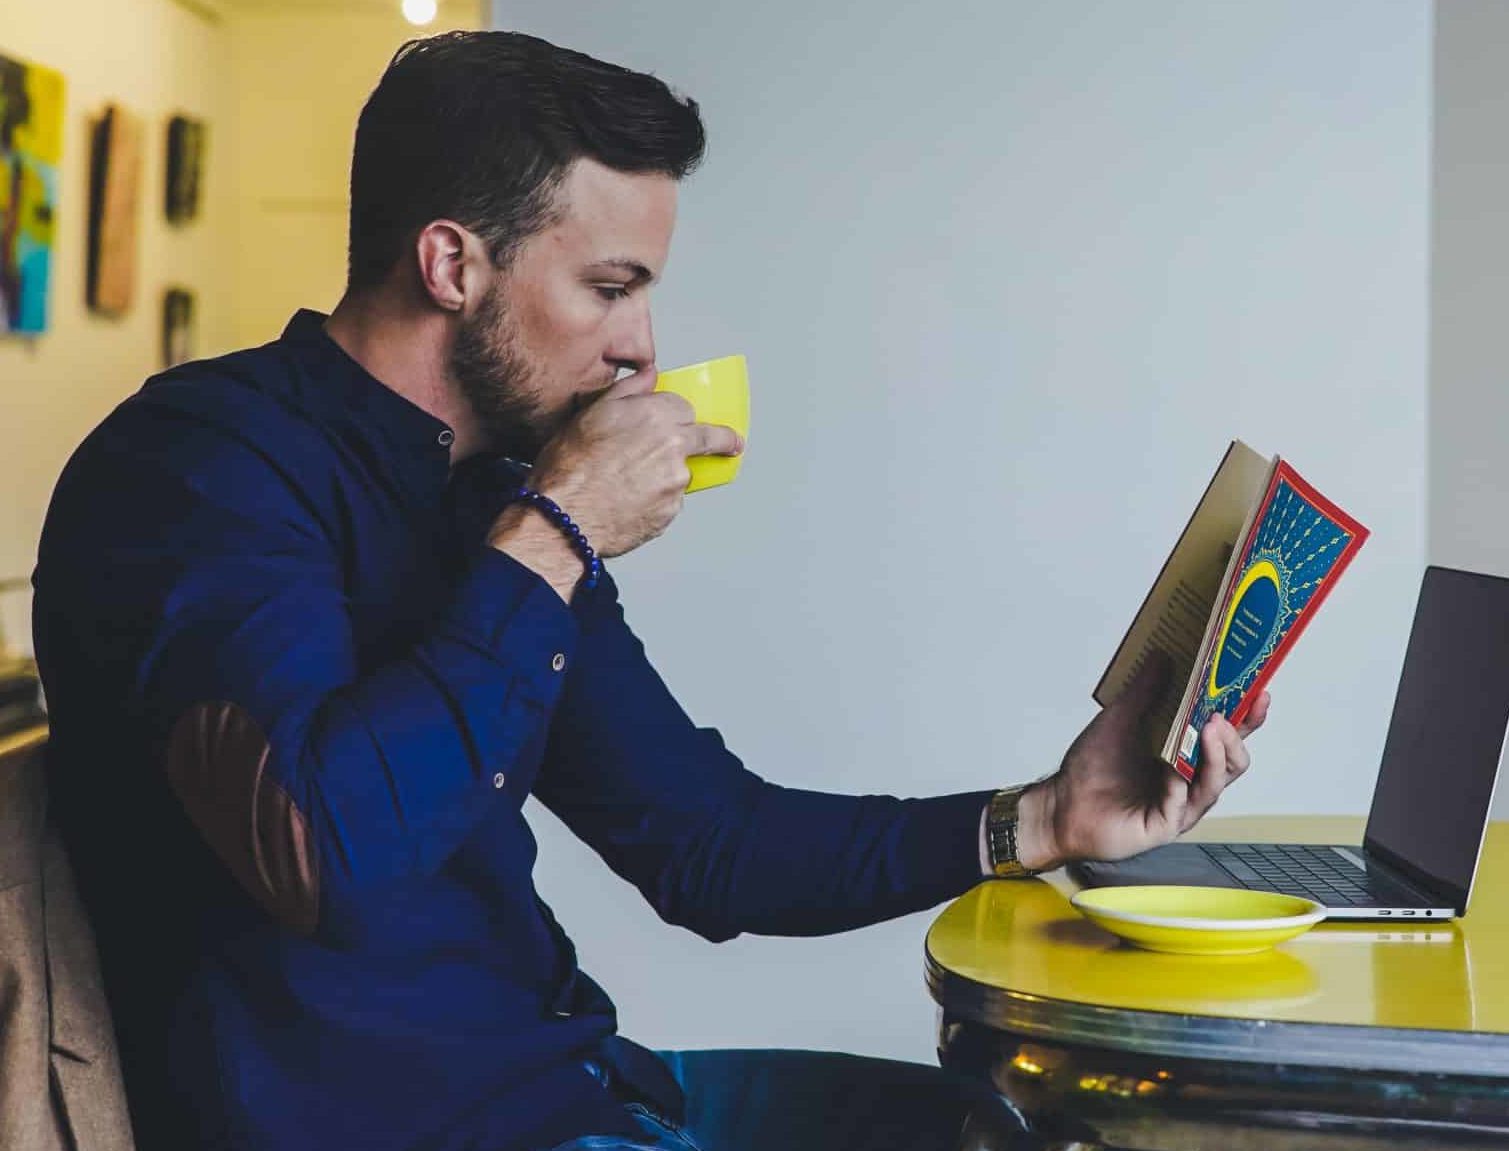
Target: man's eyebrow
{"x": 640, "y": 273}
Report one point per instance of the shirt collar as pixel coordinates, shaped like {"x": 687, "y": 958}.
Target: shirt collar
{"x": 347, "y": 388}
{"x": 419, "y": 445}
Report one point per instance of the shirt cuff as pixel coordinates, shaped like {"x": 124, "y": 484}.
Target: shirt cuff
{"x": 509, "y": 609}
{"x": 946, "y": 832}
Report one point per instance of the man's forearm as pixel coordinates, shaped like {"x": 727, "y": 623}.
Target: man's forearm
{"x": 523, "y": 533}
{"x": 320, "y": 782}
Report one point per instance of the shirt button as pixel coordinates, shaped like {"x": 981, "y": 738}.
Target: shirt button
{"x": 557, "y": 662}
{"x": 498, "y": 780}
{"x": 446, "y": 438}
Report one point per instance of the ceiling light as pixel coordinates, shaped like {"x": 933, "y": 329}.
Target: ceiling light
{"x": 419, "y": 11}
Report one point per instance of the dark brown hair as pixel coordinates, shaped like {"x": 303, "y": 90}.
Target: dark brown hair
{"x": 480, "y": 128}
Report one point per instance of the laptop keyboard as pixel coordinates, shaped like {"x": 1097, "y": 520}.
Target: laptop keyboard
{"x": 1316, "y": 873}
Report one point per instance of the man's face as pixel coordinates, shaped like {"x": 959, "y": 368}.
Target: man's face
{"x": 571, "y": 310}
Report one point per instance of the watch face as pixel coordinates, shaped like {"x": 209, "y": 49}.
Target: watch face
{"x": 1002, "y": 838}
{"x": 1003, "y": 845}
{"x": 1001, "y": 824}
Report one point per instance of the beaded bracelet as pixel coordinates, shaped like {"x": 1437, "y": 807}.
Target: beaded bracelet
{"x": 553, "y": 512}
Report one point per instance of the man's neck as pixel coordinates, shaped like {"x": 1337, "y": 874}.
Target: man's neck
{"x": 404, "y": 349}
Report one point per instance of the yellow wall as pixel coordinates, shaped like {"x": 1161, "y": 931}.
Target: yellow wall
{"x": 155, "y": 58}
{"x": 279, "y": 83}
{"x": 301, "y": 72}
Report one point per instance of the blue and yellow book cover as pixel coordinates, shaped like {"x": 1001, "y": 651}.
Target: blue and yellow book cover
{"x": 1297, "y": 548}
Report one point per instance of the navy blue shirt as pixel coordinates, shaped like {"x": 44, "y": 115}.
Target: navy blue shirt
{"x": 297, "y": 703}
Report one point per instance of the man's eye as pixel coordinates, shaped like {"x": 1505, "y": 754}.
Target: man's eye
{"x": 611, "y": 291}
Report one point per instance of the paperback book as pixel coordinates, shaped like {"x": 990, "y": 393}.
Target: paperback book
{"x": 1258, "y": 557}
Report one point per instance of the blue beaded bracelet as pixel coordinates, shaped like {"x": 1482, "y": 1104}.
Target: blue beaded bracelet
{"x": 553, "y": 512}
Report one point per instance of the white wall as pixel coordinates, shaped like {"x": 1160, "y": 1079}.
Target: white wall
{"x": 1469, "y": 340}
{"x": 1009, "y": 275}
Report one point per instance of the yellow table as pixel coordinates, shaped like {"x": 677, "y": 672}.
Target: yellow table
{"x": 1351, "y": 1036}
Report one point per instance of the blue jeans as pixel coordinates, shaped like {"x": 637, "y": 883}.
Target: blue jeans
{"x": 764, "y": 1100}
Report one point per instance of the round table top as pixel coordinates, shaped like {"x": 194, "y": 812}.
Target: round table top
{"x": 1013, "y": 954}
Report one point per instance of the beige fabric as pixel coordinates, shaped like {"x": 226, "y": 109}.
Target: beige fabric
{"x": 60, "y": 1082}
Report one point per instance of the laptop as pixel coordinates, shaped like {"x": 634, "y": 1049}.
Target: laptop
{"x": 1435, "y": 785}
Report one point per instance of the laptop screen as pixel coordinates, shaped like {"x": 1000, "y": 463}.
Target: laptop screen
{"x": 1441, "y": 756}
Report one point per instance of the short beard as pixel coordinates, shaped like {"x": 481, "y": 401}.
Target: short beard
{"x": 498, "y": 382}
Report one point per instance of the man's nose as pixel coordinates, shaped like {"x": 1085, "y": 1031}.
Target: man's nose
{"x": 635, "y": 346}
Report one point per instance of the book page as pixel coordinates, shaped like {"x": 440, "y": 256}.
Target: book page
{"x": 1178, "y": 736}
{"x": 1175, "y": 615}
{"x": 1179, "y": 630}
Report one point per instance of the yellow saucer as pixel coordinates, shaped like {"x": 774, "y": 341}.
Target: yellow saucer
{"x": 1199, "y": 920}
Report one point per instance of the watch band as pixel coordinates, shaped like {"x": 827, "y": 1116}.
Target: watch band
{"x": 1001, "y": 823}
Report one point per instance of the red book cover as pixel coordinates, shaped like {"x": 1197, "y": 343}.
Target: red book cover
{"x": 1298, "y": 546}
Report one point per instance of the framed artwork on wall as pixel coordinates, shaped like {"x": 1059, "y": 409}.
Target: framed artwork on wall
{"x": 186, "y": 143}
{"x": 31, "y": 146}
{"x": 177, "y": 326}
{"x": 114, "y": 186}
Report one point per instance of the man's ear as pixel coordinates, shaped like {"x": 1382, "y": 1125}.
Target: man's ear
{"x": 449, "y": 272}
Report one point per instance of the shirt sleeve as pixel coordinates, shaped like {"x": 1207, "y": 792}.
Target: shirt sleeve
{"x": 184, "y": 559}
{"x": 714, "y": 847}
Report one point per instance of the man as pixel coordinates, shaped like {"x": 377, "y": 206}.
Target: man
{"x": 310, "y": 636}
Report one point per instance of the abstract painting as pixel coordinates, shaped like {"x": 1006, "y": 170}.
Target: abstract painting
{"x": 31, "y": 146}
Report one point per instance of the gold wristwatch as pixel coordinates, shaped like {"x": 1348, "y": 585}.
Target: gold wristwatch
{"x": 1001, "y": 823}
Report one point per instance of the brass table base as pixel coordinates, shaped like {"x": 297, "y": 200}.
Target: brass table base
{"x": 1083, "y": 1098}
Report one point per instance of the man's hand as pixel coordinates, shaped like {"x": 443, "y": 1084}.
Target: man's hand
{"x": 1112, "y": 798}
{"x": 619, "y": 470}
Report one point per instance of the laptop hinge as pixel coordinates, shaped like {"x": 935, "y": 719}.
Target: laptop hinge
{"x": 1422, "y": 881}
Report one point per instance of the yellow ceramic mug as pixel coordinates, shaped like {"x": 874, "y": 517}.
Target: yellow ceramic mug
{"x": 718, "y": 391}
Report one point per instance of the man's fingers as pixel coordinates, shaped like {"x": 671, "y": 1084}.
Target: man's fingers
{"x": 1238, "y": 758}
{"x": 1256, "y": 717}
{"x": 713, "y": 440}
{"x": 1223, "y": 759}
{"x": 697, "y": 439}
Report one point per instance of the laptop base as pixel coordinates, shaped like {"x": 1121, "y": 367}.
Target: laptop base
{"x": 1201, "y": 865}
